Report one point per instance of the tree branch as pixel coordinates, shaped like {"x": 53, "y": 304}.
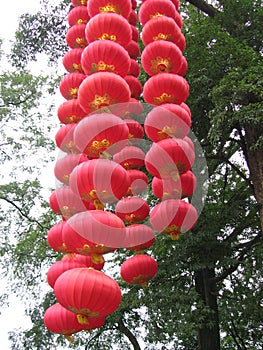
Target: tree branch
{"x": 22, "y": 213}
{"x": 204, "y": 7}
{"x": 233, "y": 268}
{"x": 123, "y": 329}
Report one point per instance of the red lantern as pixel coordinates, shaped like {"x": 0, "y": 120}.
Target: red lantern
{"x": 105, "y": 56}
{"x": 70, "y": 112}
{"x": 132, "y": 209}
{"x": 100, "y": 132}
{"x": 133, "y": 18}
{"x": 121, "y": 7}
{"x": 134, "y": 68}
{"x": 54, "y": 238}
{"x": 76, "y": 37}
{"x": 165, "y": 121}
{"x": 140, "y": 237}
{"x": 79, "y": 245}
{"x": 136, "y": 131}
{"x": 175, "y": 2}
{"x": 78, "y": 15}
{"x": 163, "y": 28}
{"x": 109, "y": 26}
{"x": 139, "y": 269}
{"x": 169, "y": 158}
{"x": 59, "y": 320}
{"x": 58, "y": 268}
{"x": 174, "y": 189}
{"x": 94, "y": 260}
{"x": 65, "y": 165}
{"x": 93, "y": 231}
{"x": 158, "y": 8}
{"x": 100, "y": 180}
{"x": 173, "y": 217}
{"x": 101, "y": 90}
{"x": 183, "y": 69}
{"x": 134, "y": 85}
{"x": 134, "y": 4}
{"x": 161, "y": 57}
{"x": 165, "y": 88}
{"x": 65, "y": 202}
{"x": 87, "y": 292}
{"x": 71, "y": 61}
{"x": 69, "y": 85}
{"x": 79, "y": 2}
{"x": 130, "y": 110}
{"x": 138, "y": 182}
{"x": 133, "y": 49}
{"x": 130, "y": 157}
{"x": 135, "y": 33}
{"x": 64, "y": 138}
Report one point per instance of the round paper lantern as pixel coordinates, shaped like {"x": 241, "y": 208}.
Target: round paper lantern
{"x": 133, "y": 49}
{"x": 94, "y": 229}
{"x": 165, "y": 121}
{"x": 163, "y": 28}
{"x": 138, "y": 182}
{"x": 105, "y": 56}
{"x": 64, "y": 166}
{"x": 130, "y": 157}
{"x": 135, "y": 33}
{"x": 134, "y": 85}
{"x": 65, "y": 202}
{"x": 59, "y": 320}
{"x": 87, "y": 292}
{"x": 165, "y": 88}
{"x": 100, "y": 132}
{"x": 76, "y": 37}
{"x": 132, "y": 209}
{"x": 158, "y": 8}
{"x": 140, "y": 237}
{"x": 169, "y": 158}
{"x": 129, "y": 110}
{"x": 77, "y": 244}
{"x": 78, "y": 15}
{"x": 109, "y": 26}
{"x": 79, "y": 2}
{"x": 139, "y": 269}
{"x": 121, "y": 7}
{"x": 161, "y": 57}
{"x": 133, "y": 18}
{"x": 187, "y": 108}
{"x": 94, "y": 260}
{"x": 101, "y": 90}
{"x": 134, "y": 4}
{"x": 173, "y": 217}
{"x": 69, "y": 85}
{"x": 183, "y": 69}
{"x": 58, "y": 268}
{"x": 64, "y": 138}
{"x": 175, "y": 2}
{"x": 134, "y": 68}
{"x": 54, "y": 238}
{"x": 183, "y": 187}
{"x": 100, "y": 180}
{"x": 72, "y": 61}
{"x": 136, "y": 131}
{"x": 70, "y": 112}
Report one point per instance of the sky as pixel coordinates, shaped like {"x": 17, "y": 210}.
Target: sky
{"x": 13, "y": 316}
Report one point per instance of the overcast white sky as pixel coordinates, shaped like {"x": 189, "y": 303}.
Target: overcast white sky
{"x": 12, "y": 317}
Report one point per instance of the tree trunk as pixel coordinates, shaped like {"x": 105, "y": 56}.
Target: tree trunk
{"x": 254, "y": 158}
{"x": 208, "y": 337}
